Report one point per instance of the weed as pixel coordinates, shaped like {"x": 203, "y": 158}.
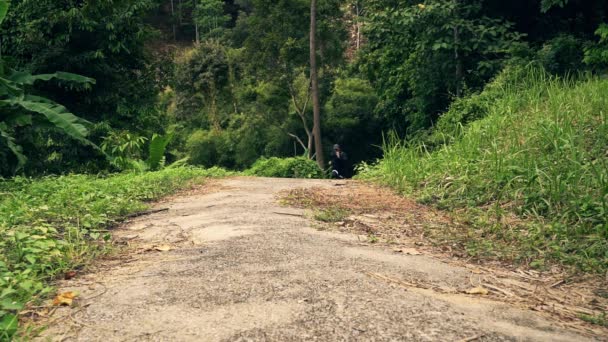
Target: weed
{"x": 331, "y": 214}
{"x": 600, "y": 319}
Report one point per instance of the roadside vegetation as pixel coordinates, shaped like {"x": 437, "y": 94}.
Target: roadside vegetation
{"x": 524, "y": 164}
{"x": 53, "y": 225}
{"x": 298, "y": 167}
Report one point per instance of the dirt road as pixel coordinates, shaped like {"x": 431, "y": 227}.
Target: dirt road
{"x": 234, "y": 265}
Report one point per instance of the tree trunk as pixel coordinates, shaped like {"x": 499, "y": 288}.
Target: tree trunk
{"x": 457, "y": 58}
{"x": 198, "y": 37}
{"x": 316, "y": 106}
{"x": 358, "y": 24}
{"x": 173, "y": 20}
{"x": 181, "y": 8}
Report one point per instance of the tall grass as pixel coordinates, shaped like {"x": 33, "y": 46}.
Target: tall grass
{"x": 540, "y": 152}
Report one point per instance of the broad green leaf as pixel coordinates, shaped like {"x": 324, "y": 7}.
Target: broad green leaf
{"x": 158, "y": 145}
{"x": 40, "y": 99}
{"x": 7, "y": 87}
{"x": 58, "y": 115}
{"x": 21, "y": 77}
{"x": 4, "y": 4}
{"x": 6, "y": 292}
{"x": 8, "y": 304}
{"x": 26, "y": 285}
{"x": 8, "y": 325}
{"x": 16, "y": 149}
{"x": 31, "y": 258}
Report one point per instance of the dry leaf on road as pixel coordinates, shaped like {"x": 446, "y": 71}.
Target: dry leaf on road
{"x": 163, "y": 248}
{"x": 478, "y": 291}
{"x": 65, "y": 298}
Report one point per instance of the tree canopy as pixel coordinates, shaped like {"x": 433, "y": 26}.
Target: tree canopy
{"x": 231, "y": 77}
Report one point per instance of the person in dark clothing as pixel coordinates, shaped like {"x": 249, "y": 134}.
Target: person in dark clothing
{"x": 338, "y": 162}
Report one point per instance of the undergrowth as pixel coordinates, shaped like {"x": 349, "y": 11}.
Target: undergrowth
{"x": 52, "y": 225}
{"x": 600, "y": 319}
{"x": 298, "y": 167}
{"x": 529, "y": 174}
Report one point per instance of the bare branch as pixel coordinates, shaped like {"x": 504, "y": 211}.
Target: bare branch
{"x": 298, "y": 140}
{"x": 301, "y": 111}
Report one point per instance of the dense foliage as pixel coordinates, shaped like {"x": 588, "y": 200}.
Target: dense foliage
{"x": 299, "y": 167}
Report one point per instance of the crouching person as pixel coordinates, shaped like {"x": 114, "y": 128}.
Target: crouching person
{"x": 338, "y": 163}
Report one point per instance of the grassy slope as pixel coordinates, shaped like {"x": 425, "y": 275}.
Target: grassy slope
{"x": 531, "y": 176}
{"x": 52, "y": 225}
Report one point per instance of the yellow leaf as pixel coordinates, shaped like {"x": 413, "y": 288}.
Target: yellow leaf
{"x": 479, "y": 290}
{"x": 65, "y": 298}
{"x": 421, "y": 6}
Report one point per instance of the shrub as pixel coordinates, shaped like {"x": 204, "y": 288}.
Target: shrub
{"x": 596, "y": 55}
{"x": 562, "y": 54}
{"x": 299, "y": 167}
{"x": 465, "y": 110}
{"x": 209, "y": 148}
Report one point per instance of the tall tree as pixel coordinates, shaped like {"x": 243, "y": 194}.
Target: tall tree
{"x": 209, "y": 18}
{"x": 314, "y": 80}
{"x": 420, "y": 56}
{"x": 278, "y": 54}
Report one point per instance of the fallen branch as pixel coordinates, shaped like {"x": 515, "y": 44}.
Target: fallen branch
{"x": 147, "y": 212}
{"x": 288, "y": 214}
{"x": 472, "y": 338}
{"x": 557, "y": 283}
{"x": 498, "y": 289}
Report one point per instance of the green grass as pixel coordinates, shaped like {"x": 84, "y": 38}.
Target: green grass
{"x": 56, "y": 224}
{"x": 600, "y": 319}
{"x": 331, "y": 214}
{"x": 538, "y": 152}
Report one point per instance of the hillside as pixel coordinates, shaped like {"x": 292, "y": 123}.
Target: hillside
{"x": 529, "y": 172}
